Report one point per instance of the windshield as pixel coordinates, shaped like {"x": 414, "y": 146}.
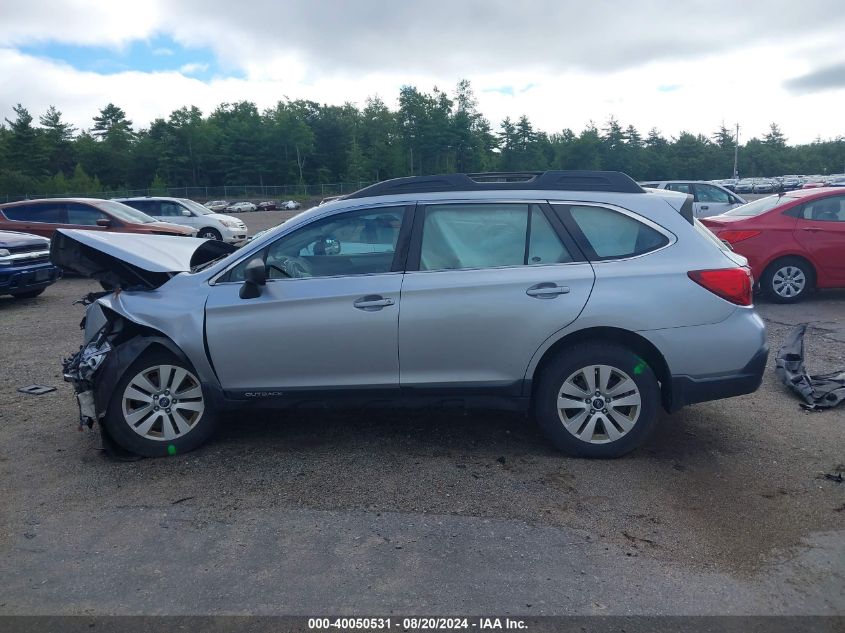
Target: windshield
{"x": 759, "y": 206}
{"x": 196, "y": 207}
{"x": 124, "y": 212}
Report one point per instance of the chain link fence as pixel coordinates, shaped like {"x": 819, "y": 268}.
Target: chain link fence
{"x": 232, "y": 193}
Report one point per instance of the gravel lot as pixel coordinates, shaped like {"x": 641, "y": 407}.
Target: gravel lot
{"x": 725, "y": 510}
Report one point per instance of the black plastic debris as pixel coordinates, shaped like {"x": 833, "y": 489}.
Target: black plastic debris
{"x": 36, "y": 390}
{"x": 821, "y": 391}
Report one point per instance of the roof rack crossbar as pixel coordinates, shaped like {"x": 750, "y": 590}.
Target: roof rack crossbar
{"x": 568, "y": 180}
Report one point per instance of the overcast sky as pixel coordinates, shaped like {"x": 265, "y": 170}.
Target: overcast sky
{"x": 671, "y": 64}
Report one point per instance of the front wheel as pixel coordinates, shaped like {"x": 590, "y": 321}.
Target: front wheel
{"x": 597, "y": 400}
{"x": 158, "y": 407}
{"x": 210, "y": 234}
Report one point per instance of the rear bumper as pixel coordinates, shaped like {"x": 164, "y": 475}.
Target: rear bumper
{"x": 27, "y": 278}
{"x": 689, "y": 389}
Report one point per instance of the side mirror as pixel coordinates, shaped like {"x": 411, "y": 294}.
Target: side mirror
{"x": 255, "y": 276}
{"x": 104, "y": 222}
{"x": 186, "y": 213}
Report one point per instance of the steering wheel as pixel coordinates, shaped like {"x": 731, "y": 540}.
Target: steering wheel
{"x": 293, "y": 267}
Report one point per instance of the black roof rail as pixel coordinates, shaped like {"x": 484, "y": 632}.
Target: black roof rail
{"x": 569, "y": 180}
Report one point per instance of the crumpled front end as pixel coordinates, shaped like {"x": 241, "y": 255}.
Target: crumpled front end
{"x": 80, "y": 370}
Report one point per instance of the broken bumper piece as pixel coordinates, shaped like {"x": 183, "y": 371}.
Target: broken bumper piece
{"x": 79, "y": 370}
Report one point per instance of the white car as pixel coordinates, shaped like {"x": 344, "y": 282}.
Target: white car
{"x": 241, "y": 207}
{"x": 708, "y": 198}
{"x": 291, "y": 205}
{"x": 209, "y": 225}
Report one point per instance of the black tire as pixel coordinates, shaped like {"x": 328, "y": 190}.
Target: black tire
{"x": 29, "y": 294}
{"x": 783, "y": 266}
{"x": 120, "y": 430}
{"x": 624, "y": 362}
{"x": 209, "y": 234}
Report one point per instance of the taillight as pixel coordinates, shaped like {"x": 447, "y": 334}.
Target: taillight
{"x": 733, "y": 237}
{"x": 732, "y": 284}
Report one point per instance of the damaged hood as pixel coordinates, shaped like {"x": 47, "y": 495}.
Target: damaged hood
{"x": 128, "y": 260}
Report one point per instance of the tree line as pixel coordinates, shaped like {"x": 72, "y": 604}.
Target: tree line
{"x": 303, "y": 142}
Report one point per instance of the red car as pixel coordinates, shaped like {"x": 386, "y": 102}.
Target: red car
{"x": 794, "y": 242}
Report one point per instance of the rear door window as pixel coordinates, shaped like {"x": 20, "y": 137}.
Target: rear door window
{"x": 607, "y": 234}
{"x": 46, "y": 213}
{"x": 467, "y": 236}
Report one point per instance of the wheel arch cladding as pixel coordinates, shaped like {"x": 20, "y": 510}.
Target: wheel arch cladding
{"x": 121, "y": 357}
{"x": 642, "y": 347}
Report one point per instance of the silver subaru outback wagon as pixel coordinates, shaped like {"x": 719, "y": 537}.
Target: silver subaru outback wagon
{"x": 577, "y": 296}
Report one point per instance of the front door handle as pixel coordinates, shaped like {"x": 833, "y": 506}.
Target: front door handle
{"x": 547, "y": 290}
{"x": 812, "y": 229}
{"x": 371, "y": 303}
{"x": 704, "y": 207}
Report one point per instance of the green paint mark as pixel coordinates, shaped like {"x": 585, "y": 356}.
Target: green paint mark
{"x": 171, "y": 450}
{"x": 640, "y": 367}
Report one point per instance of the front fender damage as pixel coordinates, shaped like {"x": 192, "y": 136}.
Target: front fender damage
{"x": 96, "y": 368}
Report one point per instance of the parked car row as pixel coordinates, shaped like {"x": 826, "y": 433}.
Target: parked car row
{"x": 780, "y": 183}
{"x": 248, "y": 207}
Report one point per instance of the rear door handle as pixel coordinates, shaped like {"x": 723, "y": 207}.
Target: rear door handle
{"x": 812, "y": 229}
{"x": 704, "y": 207}
{"x": 371, "y": 303}
{"x": 547, "y": 290}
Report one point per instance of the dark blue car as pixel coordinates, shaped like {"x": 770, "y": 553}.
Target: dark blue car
{"x": 25, "y": 268}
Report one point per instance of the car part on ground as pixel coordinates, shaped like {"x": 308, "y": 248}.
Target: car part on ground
{"x": 820, "y": 391}
{"x": 516, "y": 290}
{"x": 25, "y": 268}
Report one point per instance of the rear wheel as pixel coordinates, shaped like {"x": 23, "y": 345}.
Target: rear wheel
{"x": 158, "y": 407}
{"x": 209, "y": 234}
{"x": 597, "y": 400}
{"x": 788, "y": 280}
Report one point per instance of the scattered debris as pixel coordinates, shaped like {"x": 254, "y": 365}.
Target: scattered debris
{"x": 819, "y": 392}
{"x": 831, "y": 477}
{"x": 36, "y": 390}
{"x": 501, "y": 459}
{"x": 183, "y": 499}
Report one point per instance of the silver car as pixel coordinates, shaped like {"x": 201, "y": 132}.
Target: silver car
{"x": 577, "y": 296}
{"x": 708, "y": 198}
{"x": 209, "y": 225}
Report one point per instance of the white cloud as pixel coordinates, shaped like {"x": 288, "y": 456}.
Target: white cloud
{"x": 162, "y": 52}
{"x": 582, "y": 62}
{"x": 193, "y": 68}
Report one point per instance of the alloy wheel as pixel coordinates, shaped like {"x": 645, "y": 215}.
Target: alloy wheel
{"x": 163, "y": 402}
{"x": 599, "y": 404}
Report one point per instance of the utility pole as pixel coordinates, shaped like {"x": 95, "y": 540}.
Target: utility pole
{"x": 736, "y": 152}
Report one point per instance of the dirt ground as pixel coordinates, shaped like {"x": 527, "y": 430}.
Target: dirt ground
{"x": 730, "y": 488}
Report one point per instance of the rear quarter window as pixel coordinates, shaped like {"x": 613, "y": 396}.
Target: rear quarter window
{"x": 46, "y": 213}
{"x": 606, "y": 234}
